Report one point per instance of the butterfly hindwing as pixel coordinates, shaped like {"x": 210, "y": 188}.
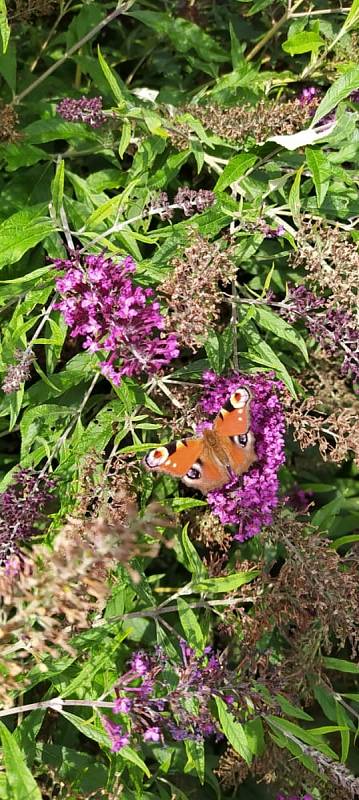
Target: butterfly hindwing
{"x": 207, "y": 473}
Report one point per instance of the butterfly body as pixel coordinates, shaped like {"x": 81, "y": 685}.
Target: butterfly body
{"x": 207, "y": 462}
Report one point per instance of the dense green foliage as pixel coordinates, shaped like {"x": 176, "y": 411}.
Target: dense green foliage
{"x": 223, "y": 162}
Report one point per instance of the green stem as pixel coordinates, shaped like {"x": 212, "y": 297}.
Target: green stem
{"x": 313, "y": 67}
{"x": 121, "y": 9}
{"x": 272, "y": 32}
{"x": 69, "y": 428}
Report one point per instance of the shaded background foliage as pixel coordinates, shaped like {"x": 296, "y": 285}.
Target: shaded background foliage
{"x": 211, "y": 147}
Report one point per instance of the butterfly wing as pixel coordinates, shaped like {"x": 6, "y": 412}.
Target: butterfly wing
{"x": 234, "y": 419}
{"x": 232, "y": 425}
{"x": 207, "y": 473}
{"x": 176, "y": 458}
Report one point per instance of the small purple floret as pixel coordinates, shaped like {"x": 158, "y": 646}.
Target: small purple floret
{"x": 306, "y": 96}
{"x": 152, "y": 734}
{"x": 140, "y": 663}
{"x": 122, "y": 705}
{"x": 118, "y": 738}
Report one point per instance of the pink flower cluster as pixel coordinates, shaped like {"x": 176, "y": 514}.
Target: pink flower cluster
{"x": 86, "y": 109}
{"x": 163, "y": 699}
{"x": 249, "y": 501}
{"x": 294, "y": 797}
{"x": 21, "y": 510}
{"x": 101, "y": 303}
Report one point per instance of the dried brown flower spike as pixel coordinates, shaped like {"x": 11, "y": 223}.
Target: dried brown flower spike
{"x": 192, "y": 290}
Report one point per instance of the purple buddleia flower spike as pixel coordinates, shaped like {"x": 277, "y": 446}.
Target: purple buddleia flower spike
{"x": 86, "y": 109}
{"x": 101, "y": 304}
{"x": 21, "y": 510}
{"x": 249, "y": 501}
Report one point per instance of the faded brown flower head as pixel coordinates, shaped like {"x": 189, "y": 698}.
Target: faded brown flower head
{"x": 232, "y": 769}
{"x": 79, "y": 570}
{"x": 25, "y": 10}
{"x": 328, "y": 422}
{"x": 192, "y": 290}
{"x": 212, "y": 533}
{"x": 18, "y": 373}
{"x": 238, "y": 123}
{"x": 207, "y": 530}
{"x": 289, "y": 775}
{"x": 180, "y": 134}
{"x": 8, "y": 122}
{"x": 312, "y": 602}
{"x": 331, "y": 261}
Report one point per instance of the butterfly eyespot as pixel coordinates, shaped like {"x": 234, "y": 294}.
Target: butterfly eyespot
{"x": 193, "y": 474}
{"x": 156, "y": 457}
{"x": 240, "y": 398}
{"x": 241, "y": 440}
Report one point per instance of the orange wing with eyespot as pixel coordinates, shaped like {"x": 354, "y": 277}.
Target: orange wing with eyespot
{"x": 234, "y": 418}
{"x": 175, "y": 458}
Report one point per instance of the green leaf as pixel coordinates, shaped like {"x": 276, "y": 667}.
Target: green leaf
{"x": 227, "y": 584}
{"x": 57, "y": 186}
{"x": 233, "y": 731}
{"x": 266, "y": 318}
{"x": 190, "y": 625}
{"x": 255, "y": 735}
{"x": 340, "y": 665}
{"x": 130, "y": 755}
{"x": 4, "y": 26}
{"x": 344, "y": 732}
{"x": 101, "y": 737}
{"x": 321, "y": 170}
{"x": 260, "y": 352}
{"x": 48, "y": 130}
{"x": 337, "y": 92}
{"x": 351, "y": 538}
{"x": 191, "y": 558}
{"x": 218, "y": 348}
{"x": 290, "y": 709}
{"x": 304, "y": 42}
{"x": 195, "y": 758}
{"x": 323, "y": 518}
{"x": 21, "y": 231}
{"x": 184, "y": 35}
{"x": 314, "y": 739}
{"x": 125, "y": 137}
{"x": 112, "y": 80}
{"x": 21, "y": 784}
{"x": 294, "y": 196}
{"x": 8, "y": 68}
{"x": 236, "y": 167}
{"x": 353, "y": 16}
{"x": 236, "y": 48}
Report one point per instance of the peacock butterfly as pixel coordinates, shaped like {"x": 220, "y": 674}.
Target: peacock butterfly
{"x": 205, "y": 462}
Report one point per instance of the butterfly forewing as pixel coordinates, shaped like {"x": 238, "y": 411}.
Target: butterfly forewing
{"x": 234, "y": 419}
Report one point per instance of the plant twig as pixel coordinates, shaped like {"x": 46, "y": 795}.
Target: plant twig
{"x": 288, "y": 14}
{"x": 121, "y": 9}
